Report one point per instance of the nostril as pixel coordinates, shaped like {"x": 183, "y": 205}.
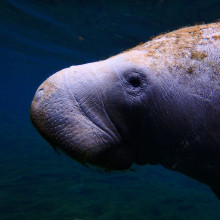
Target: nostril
{"x": 39, "y": 94}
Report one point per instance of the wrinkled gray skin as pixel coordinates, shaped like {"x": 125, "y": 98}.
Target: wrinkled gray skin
{"x": 158, "y": 103}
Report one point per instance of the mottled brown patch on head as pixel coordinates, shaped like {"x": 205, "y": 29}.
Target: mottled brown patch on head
{"x": 185, "y": 35}
{"x": 169, "y": 50}
{"x": 216, "y": 37}
{"x": 198, "y": 55}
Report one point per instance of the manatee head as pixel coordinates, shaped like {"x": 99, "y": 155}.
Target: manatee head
{"x": 94, "y": 112}
{"x": 157, "y": 103}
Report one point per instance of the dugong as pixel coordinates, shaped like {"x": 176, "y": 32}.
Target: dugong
{"x": 157, "y": 103}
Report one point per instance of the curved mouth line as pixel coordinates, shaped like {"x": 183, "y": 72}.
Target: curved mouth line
{"x": 85, "y": 114}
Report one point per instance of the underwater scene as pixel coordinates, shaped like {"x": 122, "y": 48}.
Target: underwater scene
{"x": 39, "y": 38}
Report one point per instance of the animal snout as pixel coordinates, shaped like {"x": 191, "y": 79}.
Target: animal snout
{"x": 39, "y": 94}
{"x": 47, "y": 98}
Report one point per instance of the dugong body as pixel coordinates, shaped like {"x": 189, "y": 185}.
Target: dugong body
{"x": 157, "y": 103}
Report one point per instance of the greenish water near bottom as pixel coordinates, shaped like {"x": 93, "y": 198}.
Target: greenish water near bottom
{"x": 39, "y": 38}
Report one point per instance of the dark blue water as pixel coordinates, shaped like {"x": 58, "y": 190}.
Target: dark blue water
{"x": 38, "y": 38}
